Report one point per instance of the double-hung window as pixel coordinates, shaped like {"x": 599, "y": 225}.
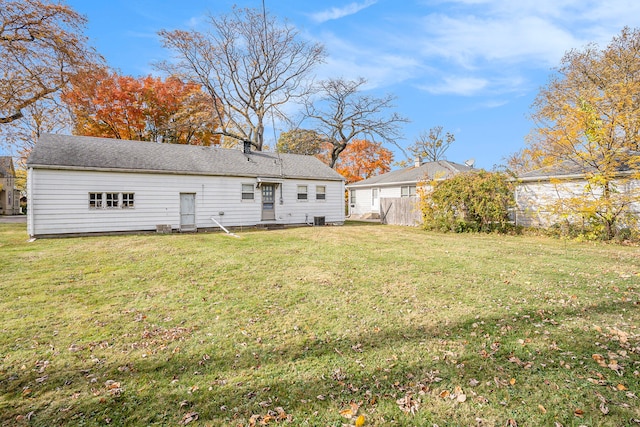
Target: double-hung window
{"x": 247, "y": 192}
{"x": 321, "y": 192}
{"x": 302, "y": 192}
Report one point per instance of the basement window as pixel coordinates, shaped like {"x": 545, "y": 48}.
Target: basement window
{"x": 95, "y": 200}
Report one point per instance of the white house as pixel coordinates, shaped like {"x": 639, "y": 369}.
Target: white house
{"x": 365, "y": 196}
{"x": 544, "y": 196}
{"x": 82, "y": 185}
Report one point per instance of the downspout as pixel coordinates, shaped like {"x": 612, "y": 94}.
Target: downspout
{"x": 224, "y": 229}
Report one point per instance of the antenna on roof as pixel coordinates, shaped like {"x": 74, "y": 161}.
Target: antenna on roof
{"x": 470, "y": 162}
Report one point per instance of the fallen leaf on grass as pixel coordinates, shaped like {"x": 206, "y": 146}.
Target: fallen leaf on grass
{"x": 276, "y": 415}
{"x": 599, "y": 359}
{"x": 360, "y": 421}
{"x": 512, "y": 381}
{"x": 621, "y": 387}
{"x": 350, "y": 412}
{"x": 113, "y": 387}
{"x": 578, "y": 412}
{"x": 188, "y": 417}
{"x": 542, "y": 409}
{"x": 604, "y": 408}
{"x": 408, "y": 404}
{"x": 613, "y": 365}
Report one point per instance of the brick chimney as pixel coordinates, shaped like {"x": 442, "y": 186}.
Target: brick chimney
{"x": 418, "y": 162}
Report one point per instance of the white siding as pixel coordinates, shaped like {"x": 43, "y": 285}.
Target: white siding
{"x": 537, "y": 203}
{"x": 59, "y": 201}
{"x": 363, "y": 205}
{"x": 389, "y": 192}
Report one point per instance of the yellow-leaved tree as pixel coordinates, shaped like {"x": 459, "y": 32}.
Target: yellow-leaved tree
{"x": 588, "y": 117}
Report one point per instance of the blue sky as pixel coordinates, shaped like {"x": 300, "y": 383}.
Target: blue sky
{"x": 471, "y": 66}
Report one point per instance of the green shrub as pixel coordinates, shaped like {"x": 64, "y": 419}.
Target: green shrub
{"x": 469, "y": 202}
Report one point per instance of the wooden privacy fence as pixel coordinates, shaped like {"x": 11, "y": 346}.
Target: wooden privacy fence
{"x": 400, "y": 211}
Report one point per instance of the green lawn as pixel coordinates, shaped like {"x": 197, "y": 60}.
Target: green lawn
{"x": 318, "y": 326}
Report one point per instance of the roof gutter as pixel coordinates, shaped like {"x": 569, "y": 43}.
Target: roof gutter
{"x": 564, "y": 177}
{"x": 169, "y": 172}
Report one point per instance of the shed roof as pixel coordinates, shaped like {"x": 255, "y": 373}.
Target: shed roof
{"x": 91, "y": 153}
{"x": 441, "y": 169}
{"x": 6, "y": 167}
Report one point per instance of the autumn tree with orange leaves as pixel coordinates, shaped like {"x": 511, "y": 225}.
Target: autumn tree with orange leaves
{"x": 106, "y": 104}
{"x": 363, "y": 159}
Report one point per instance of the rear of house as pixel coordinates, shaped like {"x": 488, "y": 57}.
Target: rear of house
{"x": 82, "y": 185}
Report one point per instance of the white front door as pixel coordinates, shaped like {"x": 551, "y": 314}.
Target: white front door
{"x": 187, "y": 211}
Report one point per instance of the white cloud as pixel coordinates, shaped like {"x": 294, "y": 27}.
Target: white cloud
{"x": 469, "y": 40}
{"x": 380, "y": 68}
{"x": 465, "y": 86}
{"x": 341, "y": 12}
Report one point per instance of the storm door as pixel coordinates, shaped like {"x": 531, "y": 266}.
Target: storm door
{"x": 268, "y": 202}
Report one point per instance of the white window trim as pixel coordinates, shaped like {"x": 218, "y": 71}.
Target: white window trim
{"x": 101, "y": 200}
{"x": 242, "y": 193}
{"x": 306, "y": 193}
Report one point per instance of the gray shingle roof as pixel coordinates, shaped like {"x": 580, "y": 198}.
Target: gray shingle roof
{"x": 569, "y": 168}
{"x": 79, "y": 152}
{"x": 441, "y": 169}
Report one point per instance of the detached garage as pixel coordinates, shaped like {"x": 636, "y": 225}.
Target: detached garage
{"x": 83, "y": 185}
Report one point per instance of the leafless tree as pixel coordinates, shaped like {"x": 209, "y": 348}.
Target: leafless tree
{"x": 47, "y": 115}
{"x": 41, "y": 47}
{"x": 342, "y": 113}
{"x": 431, "y": 145}
{"x": 250, "y": 62}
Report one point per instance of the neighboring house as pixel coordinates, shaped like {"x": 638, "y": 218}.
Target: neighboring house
{"x": 540, "y": 194}
{"x": 80, "y": 185}
{"x": 9, "y": 195}
{"x": 378, "y": 196}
